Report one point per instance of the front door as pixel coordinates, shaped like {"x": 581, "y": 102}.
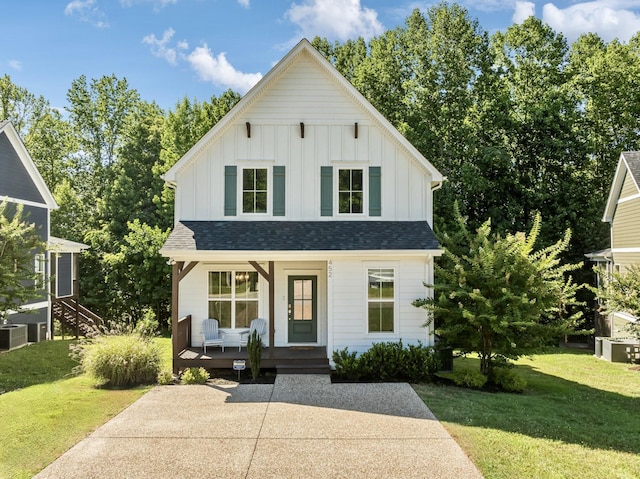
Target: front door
{"x": 302, "y": 309}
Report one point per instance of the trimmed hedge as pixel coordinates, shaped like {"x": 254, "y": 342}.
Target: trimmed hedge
{"x": 389, "y": 361}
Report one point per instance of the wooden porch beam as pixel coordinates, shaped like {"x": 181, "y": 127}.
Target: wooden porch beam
{"x": 185, "y": 270}
{"x": 269, "y": 277}
{"x": 261, "y": 271}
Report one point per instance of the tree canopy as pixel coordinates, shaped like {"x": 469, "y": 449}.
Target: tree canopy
{"x": 521, "y": 122}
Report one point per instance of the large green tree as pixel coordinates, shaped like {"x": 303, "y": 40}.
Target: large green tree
{"x": 500, "y": 296}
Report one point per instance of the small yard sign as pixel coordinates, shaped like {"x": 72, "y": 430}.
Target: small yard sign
{"x": 239, "y": 364}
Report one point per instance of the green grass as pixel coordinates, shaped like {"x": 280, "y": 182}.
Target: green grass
{"x": 45, "y": 410}
{"x": 578, "y": 417}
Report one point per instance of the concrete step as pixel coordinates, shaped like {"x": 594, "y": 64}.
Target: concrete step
{"x": 307, "y": 368}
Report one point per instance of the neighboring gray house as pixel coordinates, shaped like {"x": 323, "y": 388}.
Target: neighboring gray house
{"x": 21, "y": 183}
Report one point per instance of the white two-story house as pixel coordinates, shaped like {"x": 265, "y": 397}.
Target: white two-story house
{"x": 306, "y": 207}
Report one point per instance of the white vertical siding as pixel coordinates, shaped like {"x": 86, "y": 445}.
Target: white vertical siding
{"x": 304, "y": 94}
{"x": 349, "y": 306}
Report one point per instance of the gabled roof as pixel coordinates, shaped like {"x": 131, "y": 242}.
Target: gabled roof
{"x": 272, "y": 76}
{"x": 23, "y": 155}
{"x": 59, "y": 245}
{"x": 629, "y": 162}
{"x": 308, "y": 236}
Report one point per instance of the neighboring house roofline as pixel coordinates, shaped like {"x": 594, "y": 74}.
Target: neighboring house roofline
{"x": 303, "y": 46}
{"x": 629, "y": 162}
{"x": 8, "y": 128}
{"x": 59, "y": 245}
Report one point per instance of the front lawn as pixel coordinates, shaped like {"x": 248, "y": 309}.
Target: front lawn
{"x": 46, "y": 410}
{"x": 578, "y": 417}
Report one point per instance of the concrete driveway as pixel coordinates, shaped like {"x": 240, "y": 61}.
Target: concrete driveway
{"x": 300, "y": 427}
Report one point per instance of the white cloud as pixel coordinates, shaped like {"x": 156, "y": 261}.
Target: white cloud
{"x": 160, "y": 48}
{"x": 157, "y": 4}
{"x": 218, "y": 70}
{"x": 87, "y": 11}
{"x": 608, "y": 18}
{"x": 15, "y": 64}
{"x": 244, "y": 3}
{"x": 334, "y": 19}
{"x": 523, "y": 10}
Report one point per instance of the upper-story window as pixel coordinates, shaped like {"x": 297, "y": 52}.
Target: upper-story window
{"x": 350, "y": 191}
{"x": 254, "y": 190}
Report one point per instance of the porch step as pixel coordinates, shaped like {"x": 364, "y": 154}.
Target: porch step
{"x": 307, "y": 368}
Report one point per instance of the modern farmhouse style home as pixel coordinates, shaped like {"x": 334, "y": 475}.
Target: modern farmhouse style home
{"x": 305, "y": 207}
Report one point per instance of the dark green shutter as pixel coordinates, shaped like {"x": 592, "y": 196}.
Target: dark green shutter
{"x": 326, "y": 191}
{"x": 230, "y": 193}
{"x": 375, "y": 191}
{"x": 278, "y": 191}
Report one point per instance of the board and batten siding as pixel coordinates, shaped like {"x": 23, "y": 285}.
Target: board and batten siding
{"x": 349, "y": 303}
{"x": 303, "y": 94}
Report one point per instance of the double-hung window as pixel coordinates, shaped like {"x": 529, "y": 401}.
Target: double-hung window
{"x": 233, "y": 297}
{"x": 380, "y": 300}
{"x": 350, "y": 191}
{"x": 254, "y": 190}
{"x": 39, "y": 269}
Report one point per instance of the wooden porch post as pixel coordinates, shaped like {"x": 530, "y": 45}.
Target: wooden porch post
{"x": 178, "y": 272}
{"x": 270, "y": 277}
{"x": 175, "y": 285}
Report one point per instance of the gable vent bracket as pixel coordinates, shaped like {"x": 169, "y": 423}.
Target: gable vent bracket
{"x": 301, "y": 130}
{"x": 248, "y": 130}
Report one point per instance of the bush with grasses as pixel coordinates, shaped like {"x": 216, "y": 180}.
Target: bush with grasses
{"x": 468, "y": 378}
{"x": 120, "y": 361}
{"x": 195, "y": 376}
{"x": 389, "y": 361}
{"x": 165, "y": 377}
{"x": 508, "y": 379}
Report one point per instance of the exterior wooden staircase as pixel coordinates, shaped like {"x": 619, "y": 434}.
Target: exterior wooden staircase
{"x": 75, "y": 317}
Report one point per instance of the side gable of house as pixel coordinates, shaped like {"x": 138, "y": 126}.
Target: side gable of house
{"x": 20, "y": 180}
{"x": 623, "y": 211}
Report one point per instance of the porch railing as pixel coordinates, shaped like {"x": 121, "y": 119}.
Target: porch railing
{"x": 183, "y": 339}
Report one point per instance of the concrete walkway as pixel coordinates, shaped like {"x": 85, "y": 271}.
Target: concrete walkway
{"x": 300, "y": 427}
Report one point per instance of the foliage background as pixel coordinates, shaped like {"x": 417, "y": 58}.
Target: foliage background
{"x": 519, "y": 121}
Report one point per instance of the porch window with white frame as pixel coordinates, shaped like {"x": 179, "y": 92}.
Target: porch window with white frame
{"x": 233, "y": 298}
{"x": 381, "y": 300}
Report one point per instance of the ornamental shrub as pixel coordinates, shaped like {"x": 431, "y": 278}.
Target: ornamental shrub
{"x": 469, "y": 378}
{"x": 195, "y": 376}
{"x": 389, "y": 361}
{"x": 121, "y": 361}
{"x": 508, "y": 379}
{"x": 165, "y": 377}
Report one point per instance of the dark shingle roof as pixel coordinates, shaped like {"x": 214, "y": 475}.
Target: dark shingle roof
{"x": 301, "y": 236}
{"x": 633, "y": 161}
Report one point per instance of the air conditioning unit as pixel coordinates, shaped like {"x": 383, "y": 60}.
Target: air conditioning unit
{"x": 37, "y": 332}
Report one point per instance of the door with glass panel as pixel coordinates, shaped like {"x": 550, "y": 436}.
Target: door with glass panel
{"x": 302, "y": 309}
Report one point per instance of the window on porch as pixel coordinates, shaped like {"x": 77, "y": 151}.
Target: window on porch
{"x": 380, "y": 299}
{"x": 233, "y": 297}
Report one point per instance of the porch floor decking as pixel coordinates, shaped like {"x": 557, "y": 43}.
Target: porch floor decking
{"x": 294, "y": 357}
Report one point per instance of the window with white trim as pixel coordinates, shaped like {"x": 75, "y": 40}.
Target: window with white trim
{"x": 233, "y": 298}
{"x": 380, "y": 300}
{"x": 254, "y": 190}
{"x": 351, "y": 191}
{"x": 39, "y": 269}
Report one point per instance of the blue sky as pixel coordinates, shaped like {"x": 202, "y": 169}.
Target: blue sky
{"x": 169, "y": 49}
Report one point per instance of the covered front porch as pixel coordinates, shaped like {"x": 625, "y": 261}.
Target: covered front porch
{"x": 291, "y": 359}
